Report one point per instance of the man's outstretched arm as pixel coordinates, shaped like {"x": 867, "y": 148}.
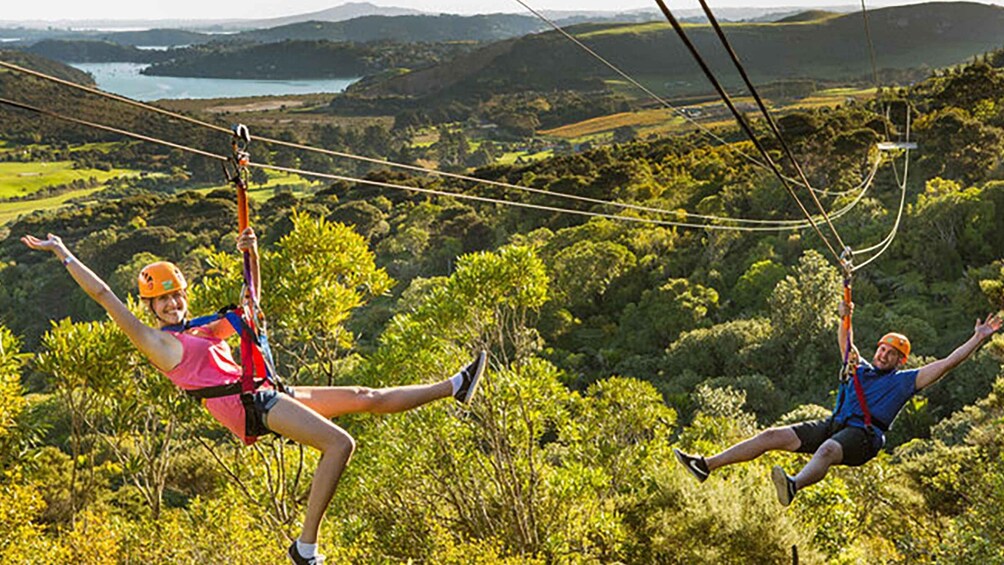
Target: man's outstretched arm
{"x": 933, "y": 372}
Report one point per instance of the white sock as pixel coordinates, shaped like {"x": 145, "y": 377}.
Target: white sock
{"x": 457, "y": 381}
{"x": 307, "y": 550}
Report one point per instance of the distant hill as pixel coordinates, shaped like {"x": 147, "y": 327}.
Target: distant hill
{"x": 405, "y": 29}
{"x": 89, "y": 51}
{"x": 343, "y": 12}
{"x": 918, "y": 36}
{"x": 158, "y": 37}
{"x": 303, "y": 59}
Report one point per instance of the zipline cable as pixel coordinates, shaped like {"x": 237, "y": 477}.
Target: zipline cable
{"x": 384, "y": 162}
{"x": 381, "y": 184}
{"x": 413, "y": 168}
{"x": 766, "y": 114}
{"x": 735, "y": 112}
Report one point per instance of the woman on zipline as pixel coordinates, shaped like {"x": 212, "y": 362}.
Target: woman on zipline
{"x": 867, "y": 404}
{"x": 198, "y": 358}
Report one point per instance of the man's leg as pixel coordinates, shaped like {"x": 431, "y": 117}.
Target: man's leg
{"x": 828, "y": 454}
{"x": 804, "y": 437}
{"x": 774, "y": 439}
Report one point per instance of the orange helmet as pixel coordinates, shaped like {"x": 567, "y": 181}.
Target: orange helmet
{"x": 160, "y": 278}
{"x": 899, "y": 342}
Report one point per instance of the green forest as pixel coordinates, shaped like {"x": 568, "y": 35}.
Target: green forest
{"x": 611, "y": 341}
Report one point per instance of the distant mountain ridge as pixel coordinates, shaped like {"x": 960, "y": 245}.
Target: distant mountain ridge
{"x": 340, "y": 13}
{"x": 401, "y": 28}
{"x": 404, "y": 29}
{"x": 352, "y": 10}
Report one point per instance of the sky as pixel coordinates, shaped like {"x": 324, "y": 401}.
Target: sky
{"x": 62, "y": 10}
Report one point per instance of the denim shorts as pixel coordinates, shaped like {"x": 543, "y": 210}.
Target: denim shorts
{"x": 264, "y": 400}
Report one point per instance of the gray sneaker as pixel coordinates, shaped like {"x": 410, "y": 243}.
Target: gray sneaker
{"x": 695, "y": 464}
{"x": 784, "y": 484}
{"x": 471, "y": 378}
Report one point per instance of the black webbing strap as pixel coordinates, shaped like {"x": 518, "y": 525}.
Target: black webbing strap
{"x": 220, "y": 391}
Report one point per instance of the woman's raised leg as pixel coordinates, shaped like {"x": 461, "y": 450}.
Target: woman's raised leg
{"x": 332, "y": 401}
{"x": 336, "y": 401}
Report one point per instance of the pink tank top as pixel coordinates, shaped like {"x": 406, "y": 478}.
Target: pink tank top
{"x": 207, "y": 361}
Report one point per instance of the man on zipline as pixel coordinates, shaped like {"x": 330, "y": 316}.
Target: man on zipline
{"x": 198, "y": 360}
{"x": 852, "y": 435}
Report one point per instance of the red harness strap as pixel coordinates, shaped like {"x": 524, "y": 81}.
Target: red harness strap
{"x": 860, "y": 392}
{"x": 252, "y": 361}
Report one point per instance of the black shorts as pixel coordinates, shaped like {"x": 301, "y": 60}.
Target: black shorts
{"x": 859, "y": 445}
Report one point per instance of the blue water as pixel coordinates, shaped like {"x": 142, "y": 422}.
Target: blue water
{"x": 125, "y": 79}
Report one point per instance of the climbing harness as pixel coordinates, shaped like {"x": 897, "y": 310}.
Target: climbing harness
{"x": 248, "y": 320}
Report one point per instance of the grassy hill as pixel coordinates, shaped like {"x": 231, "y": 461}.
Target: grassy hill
{"x": 807, "y": 16}
{"x": 835, "y": 48}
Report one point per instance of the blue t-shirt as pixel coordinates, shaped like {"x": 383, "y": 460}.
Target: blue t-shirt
{"x": 885, "y": 392}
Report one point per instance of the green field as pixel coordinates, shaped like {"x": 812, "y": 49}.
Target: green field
{"x": 9, "y": 211}
{"x": 832, "y": 97}
{"x": 103, "y": 146}
{"x": 22, "y": 179}
{"x": 18, "y": 179}
{"x": 510, "y": 158}
{"x": 626, "y": 29}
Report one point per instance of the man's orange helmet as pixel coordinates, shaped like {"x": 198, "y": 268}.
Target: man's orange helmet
{"x": 899, "y": 342}
{"x": 160, "y": 278}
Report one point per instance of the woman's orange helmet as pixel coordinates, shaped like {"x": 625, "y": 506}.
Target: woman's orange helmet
{"x": 160, "y": 278}
{"x": 899, "y": 342}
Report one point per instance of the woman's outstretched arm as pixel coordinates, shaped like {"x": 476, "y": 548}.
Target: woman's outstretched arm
{"x": 162, "y": 349}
